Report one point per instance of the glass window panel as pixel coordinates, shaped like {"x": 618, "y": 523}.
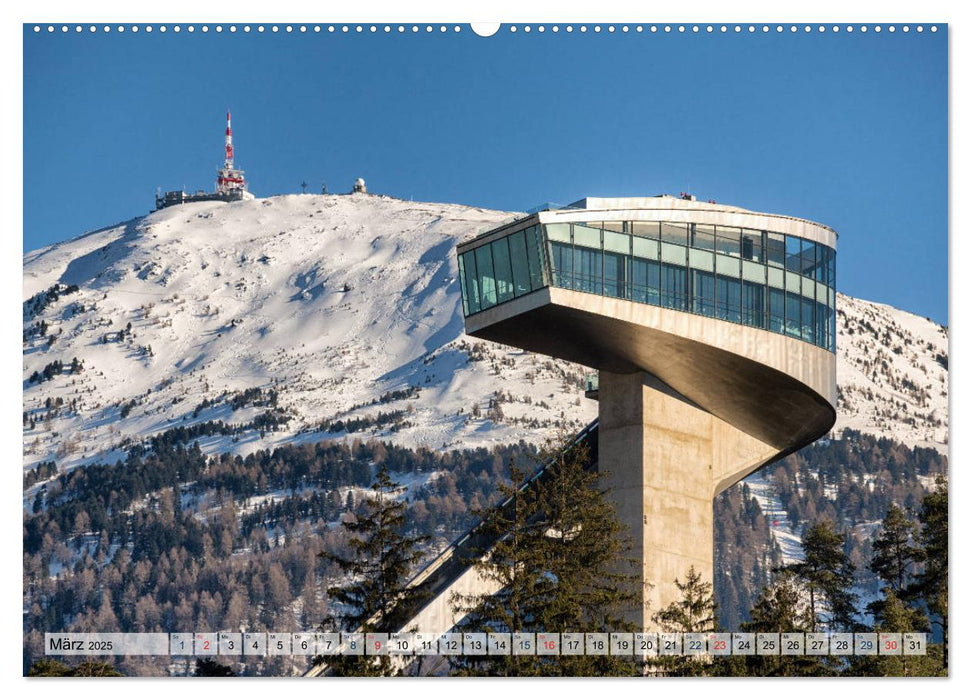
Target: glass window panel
{"x": 558, "y": 232}
{"x": 753, "y": 300}
{"x": 753, "y": 272}
{"x": 487, "y": 278}
{"x": 561, "y": 256}
{"x": 673, "y": 253}
{"x": 645, "y": 248}
{"x": 587, "y": 270}
{"x": 727, "y": 240}
{"x": 673, "y": 287}
{"x": 645, "y": 281}
{"x": 822, "y": 258}
{"x": 831, "y": 268}
{"x": 617, "y": 226}
{"x": 726, "y": 265}
{"x": 472, "y": 283}
{"x": 615, "y": 274}
{"x": 808, "y": 255}
{"x": 617, "y": 242}
{"x": 792, "y": 315}
{"x": 793, "y": 257}
{"x": 674, "y": 233}
{"x": 752, "y": 245}
{"x": 502, "y": 267}
{"x": 703, "y": 236}
{"x": 776, "y": 278}
{"x": 647, "y": 229}
{"x": 777, "y": 310}
{"x": 819, "y": 272}
{"x": 465, "y": 293}
{"x": 775, "y": 249}
{"x": 832, "y": 298}
{"x": 832, "y": 330}
{"x": 465, "y": 296}
{"x": 703, "y": 293}
{"x": 792, "y": 282}
{"x": 807, "y": 327}
{"x": 520, "y": 263}
{"x": 701, "y": 259}
{"x": 537, "y": 259}
{"x": 729, "y": 299}
{"x": 586, "y": 235}
{"x": 822, "y": 325}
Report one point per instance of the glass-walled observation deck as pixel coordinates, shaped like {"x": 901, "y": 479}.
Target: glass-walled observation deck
{"x": 779, "y": 282}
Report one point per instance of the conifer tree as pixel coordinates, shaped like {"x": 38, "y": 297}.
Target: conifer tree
{"x": 779, "y": 608}
{"x": 894, "y": 560}
{"x": 898, "y": 616}
{"x": 693, "y": 612}
{"x": 555, "y": 560}
{"x": 894, "y": 552}
{"x": 87, "y": 669}
{"x": 931, "y": 583}
{"x": 47, "y": 667}
{"x": 827, "y": 574}
{"x": 382, "y": 556}
{"x": 782, "y": 607}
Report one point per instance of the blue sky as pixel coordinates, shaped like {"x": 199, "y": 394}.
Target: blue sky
{"x": 846, "y": 129}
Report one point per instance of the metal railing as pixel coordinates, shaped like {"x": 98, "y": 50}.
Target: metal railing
{"x": 461, "y": 545}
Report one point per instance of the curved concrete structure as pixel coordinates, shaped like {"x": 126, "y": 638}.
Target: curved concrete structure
{"x": 712, "y": 328}
{"x": 776, "y": 388}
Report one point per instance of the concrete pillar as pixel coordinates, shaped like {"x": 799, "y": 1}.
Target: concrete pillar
{"x": 665, "y": 459}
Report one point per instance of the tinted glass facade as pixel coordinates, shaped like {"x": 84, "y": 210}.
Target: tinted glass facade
{"x": 763, "y": 279}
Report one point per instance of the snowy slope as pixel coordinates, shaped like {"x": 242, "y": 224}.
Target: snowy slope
{"x": 333, "y": 301}
{"x": 892, "y": 375}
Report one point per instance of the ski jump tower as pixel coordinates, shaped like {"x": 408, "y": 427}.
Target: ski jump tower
{"x": 713, "y": 330}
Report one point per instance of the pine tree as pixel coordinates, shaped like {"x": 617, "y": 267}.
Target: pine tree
{"x": 898, "y": 616}
{"x": 894, "y": 559}
{"x": 86, "y": 669}
{"x": 693, "y": 612}
{"x": 931, "y": 583}
{"x": 379, "y": 567}
{"x": 894, "y": 553}
{"x": 781, "y": 607}
{"x": 555, "y": 561}
{"x": 95, "y": 669}
{"x": 827, "y": 574}
{"x": 44, "y": 668}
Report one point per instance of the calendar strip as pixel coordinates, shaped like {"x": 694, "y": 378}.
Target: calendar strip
{"x": 630, "y": 644}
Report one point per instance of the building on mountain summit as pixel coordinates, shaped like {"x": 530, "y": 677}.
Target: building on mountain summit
{"x": 230, "y": 181}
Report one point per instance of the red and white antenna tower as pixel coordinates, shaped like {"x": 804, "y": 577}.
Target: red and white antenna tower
{"x": 229, "y": 180}
{"x": 229, "y": 140}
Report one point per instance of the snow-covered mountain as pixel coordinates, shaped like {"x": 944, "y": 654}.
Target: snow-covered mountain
{"x": 891, "y": 370}
{"x": 302, "y": 316}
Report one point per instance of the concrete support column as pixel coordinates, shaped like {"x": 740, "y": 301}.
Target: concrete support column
{"x": 665, "y": 459}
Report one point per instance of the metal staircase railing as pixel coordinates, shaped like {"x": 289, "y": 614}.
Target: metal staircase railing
{"x": 452, "y": 562}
